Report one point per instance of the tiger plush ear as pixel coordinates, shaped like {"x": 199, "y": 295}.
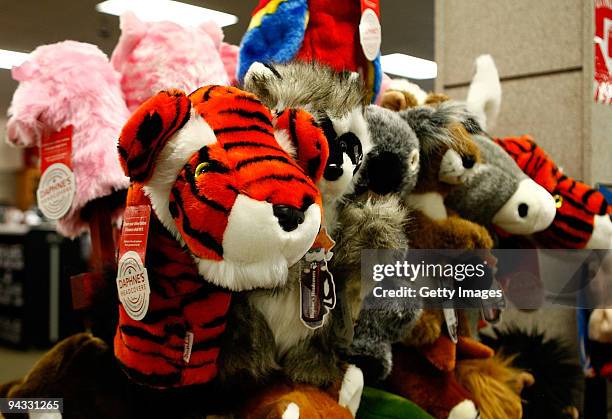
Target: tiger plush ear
{"x": 147, "y": 131}
{"x": 300, "y": 135}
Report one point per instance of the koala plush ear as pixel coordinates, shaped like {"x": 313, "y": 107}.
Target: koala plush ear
{"x": 147, "y": 131}
{"x": 302, "y": 133}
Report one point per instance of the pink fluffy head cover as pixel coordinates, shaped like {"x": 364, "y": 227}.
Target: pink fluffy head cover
{"x": 154, "y": 56}
{"x": 72, "y": 83}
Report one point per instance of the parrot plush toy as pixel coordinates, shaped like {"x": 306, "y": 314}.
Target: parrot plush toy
{"x": 326, "y": 31}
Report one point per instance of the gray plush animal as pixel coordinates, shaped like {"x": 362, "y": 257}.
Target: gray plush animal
{"x": 416, "y": 149}
{"x": 500, "y": 194}
{"x": 336, "y": 100}
{"x": 392, "y": 164}
{"x": 375, "y": 218}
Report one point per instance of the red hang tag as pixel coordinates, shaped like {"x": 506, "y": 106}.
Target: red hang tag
{"x": 317, "y": 288}
{"x": 132, "y": 279}
{"x": 370, "y": 32}
{"x": 57, "y": 185}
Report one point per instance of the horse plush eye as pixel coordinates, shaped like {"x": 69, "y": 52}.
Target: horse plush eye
{"x": 200, "y": 169}
{"x": 558, "y": 200}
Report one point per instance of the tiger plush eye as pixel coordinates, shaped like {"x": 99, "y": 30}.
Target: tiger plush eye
{"x": 558, "y": 200}
{"x": 200, "y": 169}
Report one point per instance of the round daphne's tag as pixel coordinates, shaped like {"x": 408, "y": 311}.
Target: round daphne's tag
{"x": 56, "y": 191}
{"x": 133, "y": 285}
{"x": 370, "y": 34}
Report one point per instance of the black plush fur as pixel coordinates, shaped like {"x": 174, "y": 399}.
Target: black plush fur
{"x": 550, "y": 361}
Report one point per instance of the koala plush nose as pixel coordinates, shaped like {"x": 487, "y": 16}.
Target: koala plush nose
{"x": 385, "y": 173}
{"x": 332, "y": 172}
{"x": 288, "y": 217}
{"x": 468, "y": 161}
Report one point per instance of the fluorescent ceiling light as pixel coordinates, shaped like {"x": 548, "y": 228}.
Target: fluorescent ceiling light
{"x": 158, "y": 10}
{"x": 9, "y": 59}
{"x": 409, "y": 66}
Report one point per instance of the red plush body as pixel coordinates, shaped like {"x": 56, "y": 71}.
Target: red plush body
{"x": 151, "y": 351}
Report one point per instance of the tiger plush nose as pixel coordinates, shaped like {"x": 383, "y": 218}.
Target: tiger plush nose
{"x": 288, "y": 217}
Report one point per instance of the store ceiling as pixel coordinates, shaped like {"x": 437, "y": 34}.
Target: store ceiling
{"x": 407, "y": 27}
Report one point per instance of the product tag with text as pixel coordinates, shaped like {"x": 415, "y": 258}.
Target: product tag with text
{"x": 317, "y": 288}
{"x": 57, "y": 185}
{"x": 451, "y": 323}
{"x": 132, "y": 279}
{"x": 370, "y": 33}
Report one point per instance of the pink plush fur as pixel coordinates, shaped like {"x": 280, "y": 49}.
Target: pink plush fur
{"x": 161, "y": 55}
{"x": 72, "y": 83}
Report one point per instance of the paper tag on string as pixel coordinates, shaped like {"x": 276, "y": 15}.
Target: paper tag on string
{"x": 132, "y": 278}
{"x": 57, "y": 185}
{"x": 317, "y": 288}
{"x": 370, "y": 32}
{"x": 451, "y": 323}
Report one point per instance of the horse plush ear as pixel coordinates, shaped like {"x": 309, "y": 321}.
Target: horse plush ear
{"x": 147, "y": 131}
{"x": 300, "y": 135}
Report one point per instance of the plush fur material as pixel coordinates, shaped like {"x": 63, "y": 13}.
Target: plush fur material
{"x": 73, "y": 369}
{"x": 72, "y": 83}
{"x": 336, "y": 99}
{"x": 600, "y": 325}
{"x": 154, "y": 56}
{"x": 582, "y": 219}
{"x": 434, "y": 390}
{"x": 484, "y": 94}
{"x": 402, "y": 94}
{"x": 151, "y": 351}
{"x": 376, "y": 223}
{"x": 425, "y": 374}
{"x": 452, "y": 232}
{"x": 211, "y": 181}
{"x": 449, "y": 157}
{"x": 492, "y": 383}
{"x": 392, "y": 165}
{"x": 550, "y": 361}
{"x": 500, "y": 192}
{"x": 287, "y": 401}
{"x": 390, "y": 168}
{"x": 375, "y": 332}
{"x": 229, "y": 169}
{"x": 275, "y": 33}
{"x": 235, "y": 183}
{"x": 321, "y": 31}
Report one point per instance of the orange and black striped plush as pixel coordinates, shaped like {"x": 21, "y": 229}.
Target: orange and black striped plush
{"x": 152, "y": 351}
{"x": 210, "y": 166}
{"x": 577, "y": 203}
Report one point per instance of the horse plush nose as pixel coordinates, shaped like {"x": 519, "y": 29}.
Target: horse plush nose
{"x": 288, "y": 217}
